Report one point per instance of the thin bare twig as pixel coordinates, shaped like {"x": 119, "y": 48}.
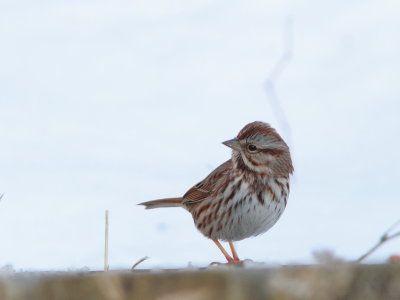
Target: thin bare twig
{"x": 275, "y": 73}
{"x": 384, "y": 238}
{"x": 391, "y": 228}
{"x": 106, "y": 266}
{"x": 139, "y": 262}
{"x": 286, "y": 56}
{"x": 1, "y": 196}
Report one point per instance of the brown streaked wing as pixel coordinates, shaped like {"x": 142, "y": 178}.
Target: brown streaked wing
{"x": 208, "y": 185}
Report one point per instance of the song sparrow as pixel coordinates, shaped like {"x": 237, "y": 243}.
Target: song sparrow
{"x": 244, "y": 196}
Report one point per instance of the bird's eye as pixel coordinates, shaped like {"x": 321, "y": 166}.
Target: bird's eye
{"x": 251, "y": 148}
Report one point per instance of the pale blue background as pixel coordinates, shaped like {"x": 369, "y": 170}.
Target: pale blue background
{"x": 105, "y": 104}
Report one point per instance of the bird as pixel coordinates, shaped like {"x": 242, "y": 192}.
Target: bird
{"x": 243, "y": 197}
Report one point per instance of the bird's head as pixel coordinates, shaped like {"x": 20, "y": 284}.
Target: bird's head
{"x": 261, "y": 149}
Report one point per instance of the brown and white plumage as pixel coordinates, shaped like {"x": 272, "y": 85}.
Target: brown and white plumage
{"x": 244, "y": 196}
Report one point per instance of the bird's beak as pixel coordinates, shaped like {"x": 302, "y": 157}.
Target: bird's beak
{"x": 233, "y": 143}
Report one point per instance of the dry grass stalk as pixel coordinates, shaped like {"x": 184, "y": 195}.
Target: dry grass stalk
{"x": 106, "y": 266}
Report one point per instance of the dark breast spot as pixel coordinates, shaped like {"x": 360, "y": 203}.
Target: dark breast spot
{"x": 260, "y": 197}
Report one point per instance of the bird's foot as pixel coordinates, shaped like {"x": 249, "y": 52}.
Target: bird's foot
{"x": 236, "y": 263}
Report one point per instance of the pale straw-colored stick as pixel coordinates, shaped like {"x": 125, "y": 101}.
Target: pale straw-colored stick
{"x": 106, "y": 267}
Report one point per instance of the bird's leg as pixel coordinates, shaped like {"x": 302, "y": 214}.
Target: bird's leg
{"x": 234, "y": 253}
{"x": 227, "y": 256}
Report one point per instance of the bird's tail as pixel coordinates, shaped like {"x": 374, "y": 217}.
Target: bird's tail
{"x": 169, "y": 202}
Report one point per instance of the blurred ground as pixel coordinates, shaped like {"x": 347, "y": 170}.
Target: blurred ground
{"x": 301, "y": 282}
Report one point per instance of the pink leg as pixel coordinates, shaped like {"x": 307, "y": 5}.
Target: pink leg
{"x": 234, "y": 253}
{"x": 227, "y": 256}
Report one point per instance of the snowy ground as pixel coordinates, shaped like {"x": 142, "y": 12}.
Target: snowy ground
{"x": 107, "y": 104}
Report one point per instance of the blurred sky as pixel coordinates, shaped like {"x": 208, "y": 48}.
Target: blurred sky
{"x": 105, "y": 104}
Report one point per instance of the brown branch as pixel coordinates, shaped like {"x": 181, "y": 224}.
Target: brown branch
{"x": 384, "y": 238}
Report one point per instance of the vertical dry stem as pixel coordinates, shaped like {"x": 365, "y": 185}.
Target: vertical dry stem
{"x": 106, "y": 267}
